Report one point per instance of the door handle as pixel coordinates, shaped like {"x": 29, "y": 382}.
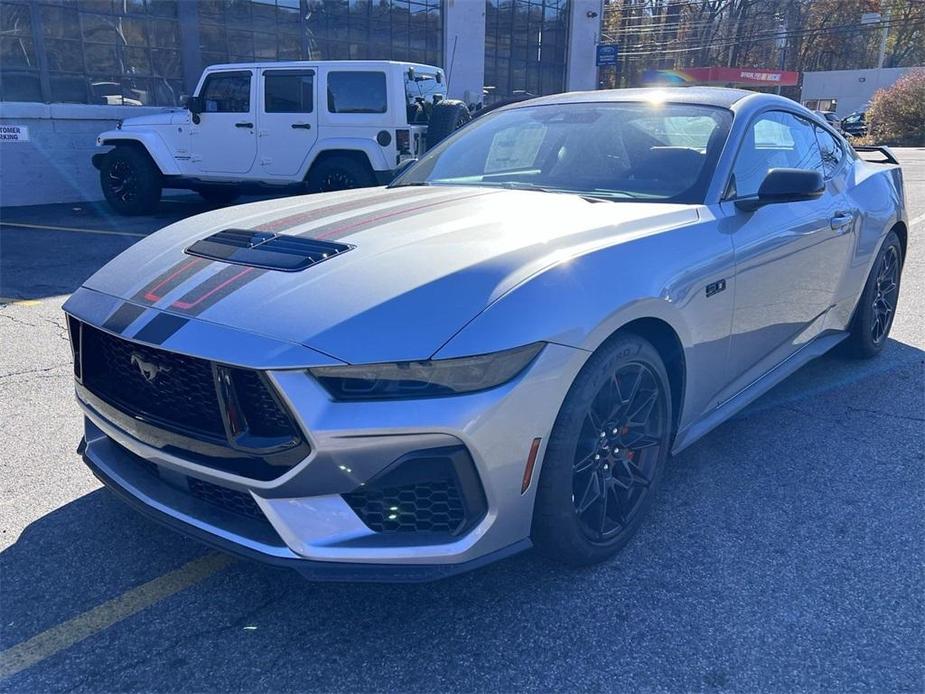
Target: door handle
{"x": 244, "y": 124}
{"x": 303, "y": 126}
{"x": 841, "y": 220}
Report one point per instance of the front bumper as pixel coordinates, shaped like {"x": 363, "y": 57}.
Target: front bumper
{"x": 304, "y": 520}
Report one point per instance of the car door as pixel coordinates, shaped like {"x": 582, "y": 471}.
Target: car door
{"x": 225, "y": 139}
{"x": 787, "y": 254}
{"x": 288, "y": 121}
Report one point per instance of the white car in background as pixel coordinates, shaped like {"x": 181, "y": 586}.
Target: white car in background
{"x": 311, "y": 125}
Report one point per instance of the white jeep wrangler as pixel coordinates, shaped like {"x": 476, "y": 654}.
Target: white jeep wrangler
{"x": 312, "y": 126}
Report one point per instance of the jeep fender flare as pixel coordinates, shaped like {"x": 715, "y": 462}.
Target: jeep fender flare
{"x": 152, "y": 143}
{"x": 332, "y": 145}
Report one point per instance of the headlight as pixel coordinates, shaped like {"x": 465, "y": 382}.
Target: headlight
{"x": 424, "y": 379}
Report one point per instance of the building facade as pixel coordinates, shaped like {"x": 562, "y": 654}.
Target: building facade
{"x": 69, "y": 68}
{"x": 847, "y": 91}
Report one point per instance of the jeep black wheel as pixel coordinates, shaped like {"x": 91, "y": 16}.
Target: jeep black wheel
{"x": 339, "y": 173}
{"x": 876, "y": 308}
{"x": 606, "y": 454}
{"x": 130, "y": 181}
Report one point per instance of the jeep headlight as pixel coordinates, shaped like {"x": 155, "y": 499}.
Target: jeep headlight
{"x": 424, "y": 379}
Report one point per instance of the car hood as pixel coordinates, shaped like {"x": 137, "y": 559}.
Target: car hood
{"x": 422, "y": 262}
{"x": 163, "y": 118}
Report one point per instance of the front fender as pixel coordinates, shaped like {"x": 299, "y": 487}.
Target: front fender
{"x": 152, "y": 142}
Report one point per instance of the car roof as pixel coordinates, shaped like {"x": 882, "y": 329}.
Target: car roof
{"x": 317, "y": 63}
{"x": 708, "y": 96}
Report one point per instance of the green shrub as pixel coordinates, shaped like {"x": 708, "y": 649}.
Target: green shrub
{"x": 896, "y": 115}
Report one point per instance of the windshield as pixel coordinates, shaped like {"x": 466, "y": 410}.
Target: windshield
{"x": 639, "y": 151}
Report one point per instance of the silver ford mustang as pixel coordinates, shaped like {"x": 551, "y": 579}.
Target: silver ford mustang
{"x": 501, "y": 349}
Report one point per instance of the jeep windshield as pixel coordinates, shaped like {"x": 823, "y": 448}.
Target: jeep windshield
{"x": 632, "y": 150}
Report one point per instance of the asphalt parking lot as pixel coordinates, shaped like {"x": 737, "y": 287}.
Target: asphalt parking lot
{"x": 785, "y": 552}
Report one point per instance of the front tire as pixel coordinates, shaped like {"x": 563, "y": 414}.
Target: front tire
{"x": 130, "y": 181}
{"x": 606, "y": 454}
{"x": 876, "y": 308}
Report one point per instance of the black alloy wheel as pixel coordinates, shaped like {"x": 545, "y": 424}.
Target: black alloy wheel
{"x": 606, "y": 454}
{"x": 885, "y": 294}
{"x": 618, "y": 451}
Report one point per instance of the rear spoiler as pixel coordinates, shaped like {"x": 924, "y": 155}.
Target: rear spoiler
{"x": 888, "y": 156}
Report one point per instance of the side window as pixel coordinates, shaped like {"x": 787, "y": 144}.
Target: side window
{"x": 357, "y": 92}
{"x": 776, "y": 140}
{"x": 831, "y": 149}
{"x": 227, "y": 92}
{"x": 289, "y": 91}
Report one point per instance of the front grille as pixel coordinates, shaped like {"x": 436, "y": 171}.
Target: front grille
{"x": 229, "y": 499}
{"x": 425, "y": 507}
{"x": 179, "y": 393}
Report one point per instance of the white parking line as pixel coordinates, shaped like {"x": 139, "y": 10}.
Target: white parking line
{"x": 76, "y": 230}
{"x": 918, "y": 220}
{"x": 54, "y": 640}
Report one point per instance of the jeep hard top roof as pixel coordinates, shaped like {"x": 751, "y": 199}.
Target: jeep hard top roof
{"x": 351, "y": 64}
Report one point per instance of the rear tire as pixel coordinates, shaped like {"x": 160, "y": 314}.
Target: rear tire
{"x": 447, "y": 116}
{"x": 606, "y": 454}
{"x": 873, "y": 317}
{"x": 130, "y": 181}
{"x": 219, "y": 195}
{"x": 339, "y": 173}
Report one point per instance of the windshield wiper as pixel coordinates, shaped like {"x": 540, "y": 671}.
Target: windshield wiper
{"x": 411, "y": 184}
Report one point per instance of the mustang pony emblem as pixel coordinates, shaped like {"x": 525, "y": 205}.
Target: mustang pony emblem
{"x": 148, "y": 369}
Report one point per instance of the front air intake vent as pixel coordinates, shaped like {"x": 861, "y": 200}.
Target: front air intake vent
{"x": 264, "y": 249}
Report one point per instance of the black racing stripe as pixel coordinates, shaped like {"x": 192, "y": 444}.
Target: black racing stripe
{"x": 161, "y": 327}
{"x": 122, "y": 317}
{"x": 170, "y": 279}
{"x": 314, "y": 214}
{"x": 216, "y": 288}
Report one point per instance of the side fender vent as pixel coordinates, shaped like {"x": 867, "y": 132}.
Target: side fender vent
{"x": 265, "y": 249}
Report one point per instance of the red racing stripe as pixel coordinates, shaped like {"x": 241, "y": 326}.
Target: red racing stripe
{"x": 170, "y": 280}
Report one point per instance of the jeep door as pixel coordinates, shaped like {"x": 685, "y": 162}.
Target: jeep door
{"x": 225, "y": 139}
{"x": 288, "y": 120}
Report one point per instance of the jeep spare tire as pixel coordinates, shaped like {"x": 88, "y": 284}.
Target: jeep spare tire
{"x": 447, "y": 116}
{"x": 130, "y": 181}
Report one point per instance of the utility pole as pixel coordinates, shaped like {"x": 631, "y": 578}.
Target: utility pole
{"x": 884, "y": 32}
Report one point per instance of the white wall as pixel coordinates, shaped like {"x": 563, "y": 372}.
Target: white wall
{"x": 584, "y": 31}
{"x": 852, "y": 88}
{"x": 464, "y": 35}
{"x": 54, "y": 166}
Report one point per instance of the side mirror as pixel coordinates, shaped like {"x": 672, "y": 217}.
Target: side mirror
{"x": 193, "y": 104}
{"x": 785, "y": 185}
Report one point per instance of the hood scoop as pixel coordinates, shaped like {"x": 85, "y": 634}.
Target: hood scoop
{"x": 266, "y": 250}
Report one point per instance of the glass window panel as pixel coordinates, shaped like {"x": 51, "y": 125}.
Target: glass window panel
{"x": 238, "y": 12}
{"x": 101, "y": 58}
{"x": 17, "y": 52}
{"x": 163, "y": 8}
{"x": 211, "y": 8}
{"x": 289, "y": 92}
{"x": 136, "y": 61}
{"x": 213, "y": 58}
{"x": 775, "y": 140}
{"x": 105, "y": 90}
{"x": 130, "y": 6}
{"x": 59, "y": 22}
{"x": 163, "y": 34}
{"x": 212, "y": 38}
{"x": 264, "y": 14}
{"x": 96, "y": 5}
{"x": 166, "y": 63}
{"x": 68, "y": 89}
{"x": 15, "y": 20}
{"x": 290, "y": 47}
{"x": 356, "y": 92}
{"x": 133, "y": 31}
{"x": 98, "y": 28}
{"x": 137, "y": 92}
{"x": 64, "y": 56}
{"x": 18, "y": 85}
{"x": 228, "y": 92}
{"x": 167, "y": 92}
{"x": 265, "y": 46}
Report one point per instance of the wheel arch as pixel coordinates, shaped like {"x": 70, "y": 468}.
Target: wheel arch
{"x": 362, "y": 155}
{"x": 154, "y": 148}
{"x": 903, "y": 233}
{"x": 668, "y": 344}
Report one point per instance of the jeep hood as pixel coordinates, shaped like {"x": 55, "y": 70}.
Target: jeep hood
{"x": 420, "y": 263}
{"x": 169, "y": 117}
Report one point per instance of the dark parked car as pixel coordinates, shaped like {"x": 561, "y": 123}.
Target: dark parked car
{"x": 855, "y": 125}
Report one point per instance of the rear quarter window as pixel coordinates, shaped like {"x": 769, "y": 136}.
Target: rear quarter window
{"x": 357, "y": 92}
